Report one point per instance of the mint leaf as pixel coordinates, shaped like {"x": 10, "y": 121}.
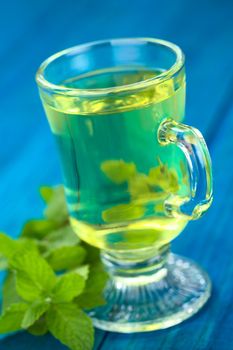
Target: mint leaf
{"x": 39, "y": 327}
{"x": 34, "y": 312}
{"x": 71, "y": 326}
{"x": 3, "y": 263}
{"x": 38, "y": 229}
{"x": 46, "y": 193}
{"x": 52, "y": 302}
{"x": 12, "y": 318}
{"x": 66, "y": 257}
{"x": 7, "y": 245}
{"x": 90, "y": 300}
{"x": 92, "y": 295}
{"x": 97, "y": 278}
{"x": 138, "y": 186}
{"x": 9, "y": 293}
{"x": 82, "y": 271}
{"x": 123, "y": 212}
{"x": 34, "y": 277}
{"x": 68, "y": 287}
{"x": 63, "y": 236}
{"x": 25, "y": 245}
{"x": 118, "y": 171}
{"x": 93, "y": 253}
{"x": 56, "y": 209}
{"x": 164, "y": 178}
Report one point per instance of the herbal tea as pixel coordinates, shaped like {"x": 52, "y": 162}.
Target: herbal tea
{"x": 117, "y": 175}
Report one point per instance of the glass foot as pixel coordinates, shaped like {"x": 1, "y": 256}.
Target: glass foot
{"x": 150, "y": 301}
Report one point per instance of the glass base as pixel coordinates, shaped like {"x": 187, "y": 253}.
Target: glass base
{"x": 152, "y": 299}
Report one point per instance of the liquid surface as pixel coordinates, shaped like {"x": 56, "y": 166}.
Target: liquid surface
{"x": 117, "y": 175}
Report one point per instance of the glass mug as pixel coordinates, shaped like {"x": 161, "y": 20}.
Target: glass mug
{"x": 134, "y": 175}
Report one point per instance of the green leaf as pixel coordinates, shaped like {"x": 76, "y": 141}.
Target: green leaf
{"x": 66, "y": 258}
{"x": 92, "y": 295}
{"x": 164, "y": 178}
{"x": 90, "y": 300}
{"x": 39, "y": 327}
{"x": 93, "y": 253}
{"x": 68, "y": 286}
{"x": 46, "y": 193}
{"x": 138, "y": 186}
{"x": 12, "y": 318}
{"x": 56, "y": 209}
{"x": 23, "y": 245}
{"x": 123, "y": 212}
{"x": 7, "y": 245}
{"x": 71, "y": 326}
{"x": 3, "y": 263}
{"x": 34, "y": 277}
{"x": 159, "y": 207}
{"x": 97, "y": 278}
{"x": 61, "y": 237}
{"x": 118, "y": 171}
{"x": 82, "y": 271}
{"x": 9, "y": 293}
{"x": 38, "y": 229}
{"x": 34, "y": 312}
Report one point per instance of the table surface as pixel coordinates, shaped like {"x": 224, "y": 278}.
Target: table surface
{"x": 30, "y": 31}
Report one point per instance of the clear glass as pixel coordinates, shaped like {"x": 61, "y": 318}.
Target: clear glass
{"x": 134, "y": 174}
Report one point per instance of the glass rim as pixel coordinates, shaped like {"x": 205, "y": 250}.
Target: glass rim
{"x": 61, "y": 89}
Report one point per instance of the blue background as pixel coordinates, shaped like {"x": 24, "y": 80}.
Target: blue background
{"x": 30, "y": 31}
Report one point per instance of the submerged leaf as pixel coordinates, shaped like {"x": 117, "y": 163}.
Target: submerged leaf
{"x": 123, "y": 212}
{"x": 164, "y": 178}
{"x": 118, "y": 171}
{"x": 139, "y": 186}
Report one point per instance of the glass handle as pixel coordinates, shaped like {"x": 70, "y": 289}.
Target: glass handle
{"x": 193, "y": 145}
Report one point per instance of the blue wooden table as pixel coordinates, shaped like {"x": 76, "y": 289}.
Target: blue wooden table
{"x": 32, "y": 30}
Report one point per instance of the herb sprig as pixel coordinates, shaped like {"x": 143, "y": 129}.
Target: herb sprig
{"x": 52, "y": 277}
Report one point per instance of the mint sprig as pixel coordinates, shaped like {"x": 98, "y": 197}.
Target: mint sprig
{"x": 52, "y": 277}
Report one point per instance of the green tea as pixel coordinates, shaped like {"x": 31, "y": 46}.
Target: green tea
{"x": 117, "y": 175}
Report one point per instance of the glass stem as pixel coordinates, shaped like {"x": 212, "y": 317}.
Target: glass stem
{"x": 150, "y": 269}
